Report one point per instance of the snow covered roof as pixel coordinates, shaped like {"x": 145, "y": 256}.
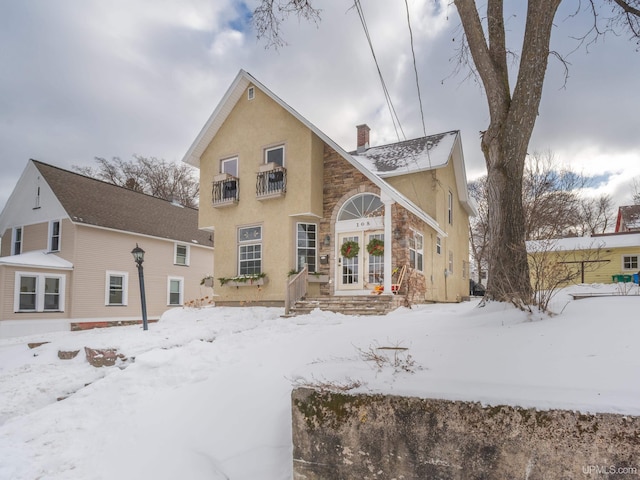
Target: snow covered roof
{"x": 419, "y": 154}
{"x": 585, "y": 243}
{"x": 628, "y": 218}
{"x": 37, "y": 259}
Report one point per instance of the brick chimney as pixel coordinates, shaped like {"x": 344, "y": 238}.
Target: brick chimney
{"x": 363, "y": 137}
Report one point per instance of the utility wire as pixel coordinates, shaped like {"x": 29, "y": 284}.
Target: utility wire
{"x": 392, "y": 110}
{"x": 415, "y": 68}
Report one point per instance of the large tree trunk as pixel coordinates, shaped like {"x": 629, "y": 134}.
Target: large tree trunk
{"x": 505, "y": 142}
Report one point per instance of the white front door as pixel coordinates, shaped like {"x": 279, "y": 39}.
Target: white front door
{"x": 362, "y": 271}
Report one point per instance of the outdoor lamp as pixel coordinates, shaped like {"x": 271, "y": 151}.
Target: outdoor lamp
{"x": 138, "y": 256}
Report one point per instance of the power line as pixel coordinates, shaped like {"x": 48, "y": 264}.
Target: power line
{"x": 415, "y": 69}
{"x": 394, "y": 116}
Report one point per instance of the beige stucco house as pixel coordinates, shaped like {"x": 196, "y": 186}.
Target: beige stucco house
{"x": 65, "y": 256}
{"x": 280, "y": 194}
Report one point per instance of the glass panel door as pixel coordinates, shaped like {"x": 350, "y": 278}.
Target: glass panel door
{"x": 349, "y": 267}
{"x": 374, "y": 263}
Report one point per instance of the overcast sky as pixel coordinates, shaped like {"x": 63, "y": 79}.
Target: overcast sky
{"x": 85, "y": 79}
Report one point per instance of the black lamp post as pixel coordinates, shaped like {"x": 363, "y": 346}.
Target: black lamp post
{"x": 138, "y": 256}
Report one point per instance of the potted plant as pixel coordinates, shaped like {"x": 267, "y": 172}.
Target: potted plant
{"x": 207, "y": 281}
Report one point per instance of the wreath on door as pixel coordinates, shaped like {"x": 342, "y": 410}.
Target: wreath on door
{"x": 349, "y": 249}
{"x": 375, "y": 247}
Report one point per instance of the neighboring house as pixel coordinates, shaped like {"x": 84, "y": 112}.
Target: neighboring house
{"x": 280, "y": 194}
{"x": 65, "y": 257}
{"x": 628, "y": 219}
{"x": 604, "y": 258}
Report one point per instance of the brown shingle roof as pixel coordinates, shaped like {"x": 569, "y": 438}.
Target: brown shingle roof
{"x": 93, "y": 202}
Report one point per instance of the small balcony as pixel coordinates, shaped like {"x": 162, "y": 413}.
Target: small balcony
{"x": 271, "y": 182}
{"x": 225, "y": 191}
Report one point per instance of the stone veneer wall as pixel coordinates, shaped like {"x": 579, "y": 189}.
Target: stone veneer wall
{"x": 341, "y": 182}
{"x": 358, "y": 437}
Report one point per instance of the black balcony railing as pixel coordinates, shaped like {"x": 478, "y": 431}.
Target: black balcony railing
{"x": 271, "y": 183}
{"x": 226, "y": 191}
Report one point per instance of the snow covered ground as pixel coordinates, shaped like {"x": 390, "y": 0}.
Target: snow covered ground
{"x": 208, "y": 394}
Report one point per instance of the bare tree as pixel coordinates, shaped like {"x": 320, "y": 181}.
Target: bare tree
{"x": 553, "y": 206}
{"x": 636, "y": 191}
{"x": 168, "y": 180}
{"x": 479, "y": 226}
{"x": 512, "y": 111}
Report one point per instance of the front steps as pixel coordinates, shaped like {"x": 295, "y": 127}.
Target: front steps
{"x": 350, "y": 305}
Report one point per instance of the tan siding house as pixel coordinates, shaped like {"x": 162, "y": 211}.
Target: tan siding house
{"x": 65, "y": 257}
{"x": 280, "y": 194}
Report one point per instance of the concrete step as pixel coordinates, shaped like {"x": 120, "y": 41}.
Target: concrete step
{"x": 348, "y": 305}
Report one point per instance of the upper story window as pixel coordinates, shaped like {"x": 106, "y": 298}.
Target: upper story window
{"x": 16, "y": 241}
{"x": 117, "y": 288}
{"x": 274, "y": 155}
{"x": 438, "y": 245}
{"x": 54, "y": 236}
{"x": 251, "y": 93}
{"x": 250, "y": 250}
{"x": 450, "y": 209}
{"x": 39, "y": 292}
{"x": 230, "y": 166}
{"x": 416, "y": 251}
{"x": 181, "y": 254}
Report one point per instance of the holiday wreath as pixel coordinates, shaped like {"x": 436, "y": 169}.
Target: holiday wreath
{"x": 375, "y": 247}
{"x": 349, "y": 249}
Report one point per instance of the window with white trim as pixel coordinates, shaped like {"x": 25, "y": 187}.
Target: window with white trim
{"x": 630, "y": 262}
{"x": 251, "y": 93}
{"x": 438, "y": 245}
{"x": 450, "y": 209}
{"x": 175, "y": 290}
{"x": 416, "y": 251}
{"x": 181, "y": 254}
{"x": 16, "y": 241}
{"x": 250, "y": 250}
{"x": 54, "y": 236}
{"x": 116, "y": 288}
{"x": 450, "y": 262}
{"x": 230, "y": 166}
{"x": 274, "y": 155}
{"x": 307, "y": 246}
{"x": 39, "y": 292}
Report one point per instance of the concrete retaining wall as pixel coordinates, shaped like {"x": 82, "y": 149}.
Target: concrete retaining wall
{"x": 338, "y": 436}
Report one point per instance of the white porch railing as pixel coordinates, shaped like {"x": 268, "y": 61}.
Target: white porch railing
{"x": 296, "y": 289}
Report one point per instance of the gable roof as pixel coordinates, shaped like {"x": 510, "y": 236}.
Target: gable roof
{"x": 237, "y": 89}
{"x": 93, "y": 202}
{"x": 628, "y": 218}
{"x": 419, "y": 154}
{"x": 607, "y": 240}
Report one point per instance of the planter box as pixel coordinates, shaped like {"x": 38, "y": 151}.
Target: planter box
{"x": 208, "y": 282}
{"x": 221, "y": 177}
{"x": 247, "y": 283}
{"x": 311, "y": 278}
